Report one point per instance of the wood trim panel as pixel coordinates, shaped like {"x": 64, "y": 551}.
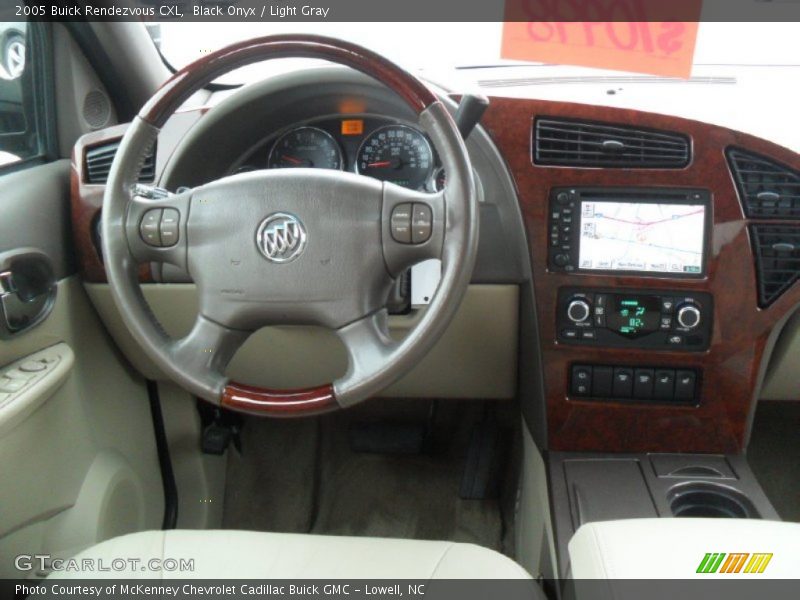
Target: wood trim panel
{"x": 279, "y": 403}
{"x": 86, "y": 200}
{"x": 731, "y": 367}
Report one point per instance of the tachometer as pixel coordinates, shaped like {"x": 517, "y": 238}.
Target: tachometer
{"x": 309, "y": 147}
{"x": 396, "y": 153}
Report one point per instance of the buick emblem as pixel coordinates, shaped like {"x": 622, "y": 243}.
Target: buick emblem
{"x": 281, "y": 237}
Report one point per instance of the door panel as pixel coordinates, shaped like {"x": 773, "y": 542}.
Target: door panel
{"x": 79, "y": 462}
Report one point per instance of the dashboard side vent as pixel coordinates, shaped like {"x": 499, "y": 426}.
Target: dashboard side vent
{"x": 777, "y": 252}
{"x": 99, "y": 158}
{"x": 767, "y": 190}
{"x": 567, "y": 143}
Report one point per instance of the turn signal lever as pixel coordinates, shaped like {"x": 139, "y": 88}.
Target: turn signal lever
{"x": 469, "y": 112}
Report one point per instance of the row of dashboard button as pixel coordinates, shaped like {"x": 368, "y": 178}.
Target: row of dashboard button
{"x": 637, "y": 383}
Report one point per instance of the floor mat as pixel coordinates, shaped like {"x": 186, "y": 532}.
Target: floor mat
{"x": 302, "y": 476}
{"x": 774, "y": 455}
{"x": 270, "y": 486}
{"x": 404, "y": 496}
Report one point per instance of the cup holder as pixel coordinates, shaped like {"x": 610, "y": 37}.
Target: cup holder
{"x": 710, "y": 500}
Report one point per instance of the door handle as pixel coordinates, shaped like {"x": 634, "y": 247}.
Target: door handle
{"x": 27, "y": 290}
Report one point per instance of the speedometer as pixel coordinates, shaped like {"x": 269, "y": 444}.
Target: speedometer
{"x": 309, "y": 147}
{"x": 396, "y": 153}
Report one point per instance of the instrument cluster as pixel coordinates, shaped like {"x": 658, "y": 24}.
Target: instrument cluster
{"x": 378, "y": 147}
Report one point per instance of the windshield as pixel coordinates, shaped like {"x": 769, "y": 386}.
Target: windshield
{"x": 736, "y": 67}
{"x": 437, "y": 46}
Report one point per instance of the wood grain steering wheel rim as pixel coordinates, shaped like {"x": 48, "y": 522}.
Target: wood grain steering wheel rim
{"x": 454, "y": 241}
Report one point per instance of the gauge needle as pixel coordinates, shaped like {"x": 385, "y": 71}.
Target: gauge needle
{"x": 395, "y": 163}
{"x": 293, "y": 160}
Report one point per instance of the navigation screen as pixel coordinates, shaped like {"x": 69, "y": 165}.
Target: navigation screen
{"x": 642, "y": 236}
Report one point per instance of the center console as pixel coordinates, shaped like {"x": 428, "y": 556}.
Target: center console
{"x": 658, "y": 292}
{"x": 589, "y": 488}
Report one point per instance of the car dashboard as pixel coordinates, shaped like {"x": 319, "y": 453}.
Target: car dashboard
{"x": 665, "y": 350}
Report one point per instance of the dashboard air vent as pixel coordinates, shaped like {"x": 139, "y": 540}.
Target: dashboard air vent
{"x": 562, "y": 142}
{"x": 768, "y": 190}
{"x": 777, "y": 251}
{"x": 99, "y": 159}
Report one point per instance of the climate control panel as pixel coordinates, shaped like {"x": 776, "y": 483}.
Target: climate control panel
{"x": 635, "y": 318}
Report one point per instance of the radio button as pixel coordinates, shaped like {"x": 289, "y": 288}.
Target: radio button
{"x": 581, "y": 384}
{"x": 561, "y": 260}
{"x": 643, "y": 384}
{"x": 688, "y": 316}
{"x": 684, "y": 385}
{"x": 562, "y": 198}
{"x": 664, "y": 388}
{"x": 578, "y": 311}
{"x": 622, "y": 383}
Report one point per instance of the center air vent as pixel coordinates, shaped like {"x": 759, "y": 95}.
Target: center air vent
{"x": 569, "y": 143}
{"x": 777, "y": 251}
{"x": 768, "y": 190}
{"x": 99, "y": 159}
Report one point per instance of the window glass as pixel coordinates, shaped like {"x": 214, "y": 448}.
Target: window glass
{"x": 19, "y": 139}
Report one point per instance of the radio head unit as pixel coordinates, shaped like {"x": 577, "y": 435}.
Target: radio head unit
{"x": 648, "y": 231}
{"x": 612, "y": 317}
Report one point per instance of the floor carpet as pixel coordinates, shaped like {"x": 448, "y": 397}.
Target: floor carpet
{"x": 303, "y": 476}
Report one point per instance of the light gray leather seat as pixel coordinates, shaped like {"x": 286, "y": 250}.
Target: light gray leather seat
{"x": 685, "y": 548}
{"x": 246, "y": 554}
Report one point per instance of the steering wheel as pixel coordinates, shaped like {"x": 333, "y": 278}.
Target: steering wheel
{"x": 289, "y": 246}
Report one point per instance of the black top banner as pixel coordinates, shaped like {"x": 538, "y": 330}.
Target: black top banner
{"x": 265, "y": 11}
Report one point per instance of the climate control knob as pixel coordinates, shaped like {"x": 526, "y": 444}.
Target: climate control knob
{"x": 578, "y": 311}
{"x": 688, "y": 316}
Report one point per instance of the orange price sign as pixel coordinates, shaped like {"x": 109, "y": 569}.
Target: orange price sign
{"x": 641, "y": 45}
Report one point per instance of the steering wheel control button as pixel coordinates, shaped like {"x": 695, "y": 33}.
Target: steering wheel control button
{"x": 581, "y": 380}
{"x": 401, "y": 223}
{"x": 421, "y": 223}
{"x": 168, "y": 227}
{"x": 149, "y": 227}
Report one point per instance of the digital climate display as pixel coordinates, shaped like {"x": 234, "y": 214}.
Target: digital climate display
{"x": 642, "y": 236}
{"x": 634, "y": 316}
